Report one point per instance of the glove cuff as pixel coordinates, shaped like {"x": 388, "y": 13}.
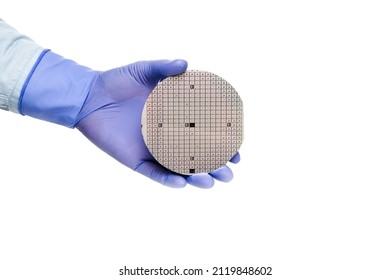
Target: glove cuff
{"x": 56, "y": 90}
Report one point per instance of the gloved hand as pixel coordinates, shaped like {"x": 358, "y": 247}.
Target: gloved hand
{"x": 107, "y": 107}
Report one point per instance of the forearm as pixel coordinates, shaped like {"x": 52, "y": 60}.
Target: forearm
{"x": 18, "y": 56}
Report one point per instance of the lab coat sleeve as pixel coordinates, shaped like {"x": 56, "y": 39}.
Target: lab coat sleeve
{"x": 18, "y": 56}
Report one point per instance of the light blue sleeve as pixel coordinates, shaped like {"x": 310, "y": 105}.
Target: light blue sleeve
{"x": 18, "y": 55}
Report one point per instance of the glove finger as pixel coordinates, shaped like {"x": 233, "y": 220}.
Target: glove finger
{"x": 165, "y": 68}
{"x": 236, "y": 158}
{"x": 223, "y": 174}
{"x": 204, "y": 180}
{"x": 149, "y": 73}
{"x": 161, "y": 175}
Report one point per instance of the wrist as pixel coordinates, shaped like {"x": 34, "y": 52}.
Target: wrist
{"x": 56, "y": 89}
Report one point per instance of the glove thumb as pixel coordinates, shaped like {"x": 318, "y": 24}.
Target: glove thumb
{"x": 150, "y": 73}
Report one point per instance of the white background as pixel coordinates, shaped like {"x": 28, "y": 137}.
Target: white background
{"x": 310, "y": 197}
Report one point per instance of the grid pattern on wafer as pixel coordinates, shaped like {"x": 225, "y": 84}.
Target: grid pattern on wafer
{"x": 193, "y": 122}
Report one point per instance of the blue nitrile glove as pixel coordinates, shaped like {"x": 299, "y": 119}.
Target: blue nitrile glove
{"x": 106, "y": 107}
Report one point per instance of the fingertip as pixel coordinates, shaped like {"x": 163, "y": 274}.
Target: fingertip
{"x": 223, "y": 174}
{"x": 176, "y": 67}
{"x": 161, "y": 175}
{"x": 236, "y": 158}
{"x": 181, "y": 65}
{"x": 175, "y": 181}
{"x": 165, "y": 68}
{"x": 204, "y": 181}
